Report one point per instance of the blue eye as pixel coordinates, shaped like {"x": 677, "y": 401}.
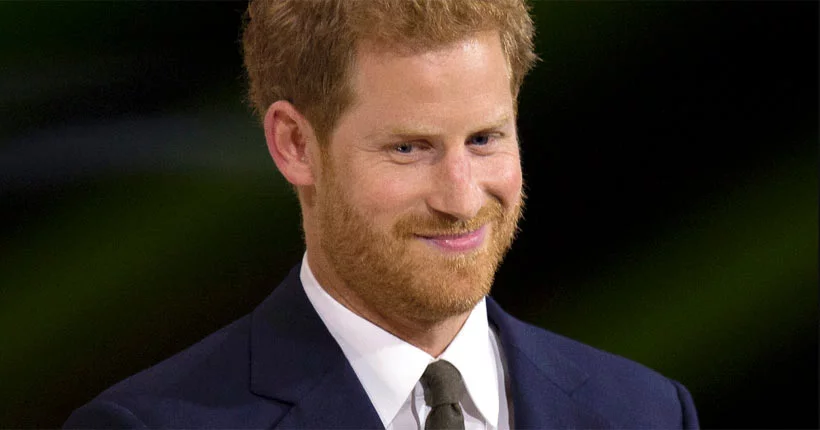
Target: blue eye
{"x": 404, "y": 148}
{"x": 480, "y": 139}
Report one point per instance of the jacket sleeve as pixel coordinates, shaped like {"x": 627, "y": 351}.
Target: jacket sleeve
{"x": 103, "y": 415}
{"x": 689, "y": 416}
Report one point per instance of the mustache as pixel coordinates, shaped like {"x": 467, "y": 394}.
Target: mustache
{"x": 443, "y": 225}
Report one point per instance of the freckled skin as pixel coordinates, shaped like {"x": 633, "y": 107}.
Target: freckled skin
{"x": 428, "y": 146}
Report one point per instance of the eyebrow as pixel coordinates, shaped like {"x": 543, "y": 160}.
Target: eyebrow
{"x": 409, "y": 132}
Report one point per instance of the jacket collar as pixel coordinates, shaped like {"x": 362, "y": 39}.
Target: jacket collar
{"x": 541, "y": 380}
{"x": 294, "y": 359}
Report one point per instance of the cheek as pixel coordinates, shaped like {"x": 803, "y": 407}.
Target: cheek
{"x": 370, "y": 188}
{"x": 502, "y": 179}
{"x": 385, "y": 195}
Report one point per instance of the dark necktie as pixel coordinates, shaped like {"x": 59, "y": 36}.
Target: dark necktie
{"x": 443, "y": 389}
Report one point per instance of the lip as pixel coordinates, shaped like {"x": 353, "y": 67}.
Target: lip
{"x": 458, "y": 243}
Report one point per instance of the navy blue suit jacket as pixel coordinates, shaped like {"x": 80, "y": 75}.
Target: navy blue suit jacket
{"x": 279, "y": 367}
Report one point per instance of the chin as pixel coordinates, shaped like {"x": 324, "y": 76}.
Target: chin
{"x": 438, "y": 293}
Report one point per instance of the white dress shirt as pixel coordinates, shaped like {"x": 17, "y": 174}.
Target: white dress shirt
{"x": 389, "y": 368}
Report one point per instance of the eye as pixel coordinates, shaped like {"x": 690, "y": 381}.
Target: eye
{"x": 480, "y": 139}
{"x": 404, "y": 148}
{"x": 407, "y": 152}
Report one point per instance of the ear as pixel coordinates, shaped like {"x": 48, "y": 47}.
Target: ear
{"x": 288, "y": 134}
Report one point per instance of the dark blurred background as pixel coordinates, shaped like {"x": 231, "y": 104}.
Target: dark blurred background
{"x": 670, "y": 151}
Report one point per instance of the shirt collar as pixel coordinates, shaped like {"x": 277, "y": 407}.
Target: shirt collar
{"x": 472, "y": 353}
{"x": 389, "y": 367}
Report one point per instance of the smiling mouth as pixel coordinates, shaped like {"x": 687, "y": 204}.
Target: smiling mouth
{"x": 461, "y": 242}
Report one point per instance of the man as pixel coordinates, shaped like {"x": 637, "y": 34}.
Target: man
{"x": 394, "y": 120}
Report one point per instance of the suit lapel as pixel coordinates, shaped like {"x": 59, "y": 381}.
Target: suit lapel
{"x": 339, "y": 402}
{"x": 541, "y": 379}
{"x": 294, "y": 359}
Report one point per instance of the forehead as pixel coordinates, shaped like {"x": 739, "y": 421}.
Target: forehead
{"x": 460, "y": 80}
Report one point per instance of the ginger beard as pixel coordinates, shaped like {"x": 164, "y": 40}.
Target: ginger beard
{"x": 394, "y": 272}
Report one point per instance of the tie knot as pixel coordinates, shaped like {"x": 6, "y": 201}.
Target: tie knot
{"x": 442, "y": 384}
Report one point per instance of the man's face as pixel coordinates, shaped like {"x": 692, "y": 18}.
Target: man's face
{"x": 419, "y": 194}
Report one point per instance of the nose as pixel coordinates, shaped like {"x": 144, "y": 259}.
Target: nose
{"x": 456, "y": 193}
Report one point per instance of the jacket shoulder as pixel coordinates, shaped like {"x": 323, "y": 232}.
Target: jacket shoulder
{"x": 206, "y": 384}
{"x": 623, "y": 391}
